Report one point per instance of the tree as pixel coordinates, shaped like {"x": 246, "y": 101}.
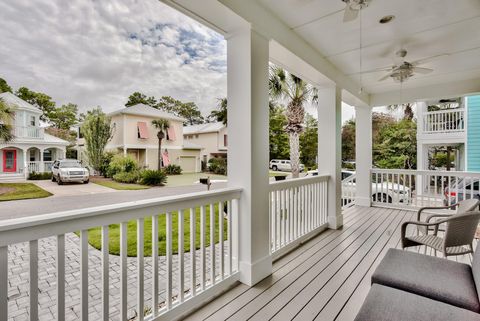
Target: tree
{"x": 309, "y": 141}
{"x": 64, "y": 117}
{"x": 348, "y": 140}
{"x": 162, "y": 125}
{"x": 4, "y": 87}
{"x": 97, "y": 131}
{"x": 139, "y": 98}
{"x": 6, "y": 117}
{"x": 407, "y": 110}
{"x": 189, "y": 110}
{"x": 397, "y": 146}
{"x": 278, "y": 138}
{"x": 40, "y": 100}
{"x": 220, "y": 114}
{"x": 285, "y": 86}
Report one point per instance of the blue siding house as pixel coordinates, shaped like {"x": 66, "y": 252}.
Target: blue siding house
{"x": 473, "y": 133}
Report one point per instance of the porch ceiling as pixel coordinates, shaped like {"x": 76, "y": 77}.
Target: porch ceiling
{"x": 424, "y": 28}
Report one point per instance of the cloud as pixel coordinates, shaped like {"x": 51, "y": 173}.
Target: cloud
{"x": 93, "y": 52}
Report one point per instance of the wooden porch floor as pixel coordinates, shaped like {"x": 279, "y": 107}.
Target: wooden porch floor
{"x": 326, "y": 278}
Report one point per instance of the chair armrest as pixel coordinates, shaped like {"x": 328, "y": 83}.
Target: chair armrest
{"x": 436, "y": 215}
{"x": 436, "y": 224}
{"x": 434, "y": 208}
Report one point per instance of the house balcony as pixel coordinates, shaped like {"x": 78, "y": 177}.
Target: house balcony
{"x": 442, "y": 124}
{"x": 23, "y": 132}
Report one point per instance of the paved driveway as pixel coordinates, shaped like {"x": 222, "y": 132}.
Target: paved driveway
{"x": 71, "y": 189}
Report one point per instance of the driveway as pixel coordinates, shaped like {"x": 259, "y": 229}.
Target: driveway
{"x": 71, "y": 189}
{"x": 22, "y": 208}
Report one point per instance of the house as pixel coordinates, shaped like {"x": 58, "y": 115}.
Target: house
{"x": 31, "y": 150}
{"x": 135, "y": 135}
{"x": 212, "y": 137}
{"x": 290, "y": 252}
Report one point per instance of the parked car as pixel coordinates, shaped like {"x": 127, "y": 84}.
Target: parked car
{"x": 69, "y": 170}
{"x": 283, "y": 165}
{"x": 460, "y": 190}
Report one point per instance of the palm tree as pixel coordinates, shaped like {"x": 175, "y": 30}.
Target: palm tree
{"x": 220, "y": 114}
{"x": 6, "y": 115}
{"x": 162, "y": 125}
{"x": 287, "y": 87}
{"x": 407, "y": 110}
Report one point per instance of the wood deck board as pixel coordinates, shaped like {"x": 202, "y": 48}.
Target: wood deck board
{"x": 327, "y": 278}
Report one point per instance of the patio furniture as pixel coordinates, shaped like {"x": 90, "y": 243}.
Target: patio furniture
{"x": 413, "y": 286}
{"x": 461, "y": 207}
{"x": 457, "y": 240}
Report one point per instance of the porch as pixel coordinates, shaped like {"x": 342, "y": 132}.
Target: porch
{"x": 19, "y": 159}
{"x": 326, "y": 278}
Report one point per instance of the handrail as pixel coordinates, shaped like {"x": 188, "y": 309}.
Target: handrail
{"x": 445, "y": 111}
{"x": 275, "y": 186}
{"x": 426, "y": 172}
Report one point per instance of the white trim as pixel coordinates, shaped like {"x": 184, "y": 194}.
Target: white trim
{"x": 122, "y": 146}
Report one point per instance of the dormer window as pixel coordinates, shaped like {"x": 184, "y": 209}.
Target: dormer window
{"x": 32, "y": 121}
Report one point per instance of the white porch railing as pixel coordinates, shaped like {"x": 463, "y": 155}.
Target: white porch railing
{"x": 349, "y": 190}
{"x": 28, "y": 132}
{"x": 444, "y": 121}
{"x": 298, "y": 209}
{"x": 47, "y": 166}
{"x": 198, "y": 276}
{"x": 415, "y": 188}
{"x": 34, "y": 167}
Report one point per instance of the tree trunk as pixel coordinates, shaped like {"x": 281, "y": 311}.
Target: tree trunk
{"x": 159, "y": 167}
{"x": 294, "y": 153}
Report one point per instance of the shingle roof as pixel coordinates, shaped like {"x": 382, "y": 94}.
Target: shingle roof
{"x": 14, "y": 101}
{"x": 47, "y": 138}
{"x": 145, "y": 110}
{"x": 203, "y": 128}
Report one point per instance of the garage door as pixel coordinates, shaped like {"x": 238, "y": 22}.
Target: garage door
{"x": 187, "y": 163}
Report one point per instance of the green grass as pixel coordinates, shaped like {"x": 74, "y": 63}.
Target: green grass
{"x": 273, "y": 174}
{"x": 190, "y": 178}
{"x": 119, "y": 186}
{"x": 94, "y": 234}
{"x": 22, "y": 191}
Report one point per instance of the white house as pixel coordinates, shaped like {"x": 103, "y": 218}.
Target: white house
{"x": 31, "y": 150}
{"x": 212, "y": 137}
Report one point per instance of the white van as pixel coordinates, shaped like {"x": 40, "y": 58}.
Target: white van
{"x": 283, "y": 165}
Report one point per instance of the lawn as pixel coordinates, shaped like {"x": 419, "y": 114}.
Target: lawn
{"x": 273, "y": 173}
{"x": 94, "y": 234}
{"x": 115, "y": 185}
{"x": 20, "y": 191}
{"x": 191, "y": 178}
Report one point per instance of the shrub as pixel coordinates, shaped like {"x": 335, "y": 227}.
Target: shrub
{"x": 153, "y": 177}
{"x": 218, "y": 166}
{"x": 121, "y": 164}
{"x": 127, "y": 177}
{"x": 39, "y": 176}
{"x": 107, "y": 159}
{"x": 173, "y": 169}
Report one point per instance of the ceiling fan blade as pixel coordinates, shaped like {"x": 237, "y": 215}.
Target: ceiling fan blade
{"x": 349, "y": 14}
{"x": 389, "y": 68}
{"x": 428, "y": 59}
{"x": 385, "y": 77}
{"x": 421, "y": 70}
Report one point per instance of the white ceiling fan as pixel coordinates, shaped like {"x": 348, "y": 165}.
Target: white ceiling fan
{"x": 404, "y": 70}
{"x": 353, "y": 7}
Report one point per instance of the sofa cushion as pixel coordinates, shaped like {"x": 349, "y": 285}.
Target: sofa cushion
{"x": 389, "y": 304}
{"x": 431, "y": 277}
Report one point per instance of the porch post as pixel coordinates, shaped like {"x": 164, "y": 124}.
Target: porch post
{"x": 363, "y": 155}
{"x": 25, "y": 163}
{"x": 41, "y": 165}
{"x": 247, "y": 81}
{"x": 330, "y": 149}
{"x": 422, "y": 149}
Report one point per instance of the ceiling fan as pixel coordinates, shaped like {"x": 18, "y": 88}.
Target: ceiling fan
{"x": 353, "y": 7}
{"x": 404, "y": 70}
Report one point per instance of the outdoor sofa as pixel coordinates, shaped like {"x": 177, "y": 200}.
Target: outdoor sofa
{"x": 412, "y": 286}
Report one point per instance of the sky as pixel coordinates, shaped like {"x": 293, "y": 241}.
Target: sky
{"x": 98, "y": 52}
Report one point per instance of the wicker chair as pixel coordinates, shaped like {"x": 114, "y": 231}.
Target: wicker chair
{"x": 460, "y": 207}
{"x": 459, "y": 233}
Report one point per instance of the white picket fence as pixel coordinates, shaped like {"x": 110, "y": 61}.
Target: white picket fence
{"x": 218, "y": 270}
{"x": 416, "y": 188}
{"x": 298, "y": 210}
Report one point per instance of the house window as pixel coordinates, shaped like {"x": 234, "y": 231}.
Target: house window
{"x": 32, "y": 121}
{"x": 225, "y": 140}
{"x": 32, "y": 155}
{"x": 142, "y": 131}
{"x": 171, "y": 134}
{"x": 47, "y": 155}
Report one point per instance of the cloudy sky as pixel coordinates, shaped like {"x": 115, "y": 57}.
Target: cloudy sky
{"x": 97, "y": 52}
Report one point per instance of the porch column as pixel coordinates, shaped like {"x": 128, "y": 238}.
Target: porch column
{"x": 247, "y": 81}
{"x": 330, "y": 149}
{"x": 363, "y": 155}
{"x": 25, "y": 163}
{"x": 422, "y": 149}
{"x": 41, "y": 165}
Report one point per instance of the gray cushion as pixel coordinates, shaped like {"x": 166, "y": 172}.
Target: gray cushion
{"x": 389, "y": 304}
{"x": 431, "y": 277}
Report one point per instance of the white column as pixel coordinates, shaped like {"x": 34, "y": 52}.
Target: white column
{"x": 25, "y": 163}
{"x": 330, "y": 149}
{"x": 363, "y": 155}
{"x": 422, "y": 149}
{"x": 41, "y": 165}
{"x": 247, "y": 61}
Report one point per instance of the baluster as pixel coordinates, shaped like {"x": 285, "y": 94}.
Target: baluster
{"x": 84, "y": 274}
{"x": 181, "y": 264}
{"x": 60, "y": 260}
{"x": 105, "y": 273}
{"x": 212, "y": 244}
{"x": 155, "y": 270}
{"x": 3, "y": 282}
{"x": 229, "y": 233}
{"x": 123, "y": 271}
{"x": 168, "y": 290}
{"x": 273, "y": 216}
{"x": 34, "y": 280}
{"x": 220, "y": 240}
{"x": 202, "y": 247}
{"x": 140, "y": 269}
{"x": 193, "y": 261}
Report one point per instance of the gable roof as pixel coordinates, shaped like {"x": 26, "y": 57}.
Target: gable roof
{"x": 12, "y": 100}
{"x": 203, "y": 128}
{"x": 145, "y": 110}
